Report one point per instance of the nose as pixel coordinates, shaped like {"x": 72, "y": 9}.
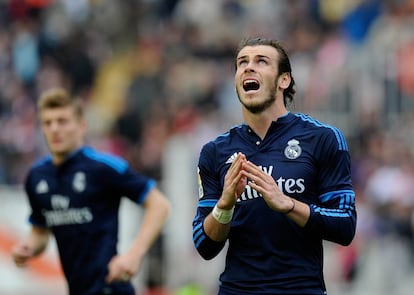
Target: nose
{"x": 53, "y": 126}
{"x": 249, "y": 68}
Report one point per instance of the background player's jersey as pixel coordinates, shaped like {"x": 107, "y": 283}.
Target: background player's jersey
{"x": 268, "y": 253}
{"x": 79, "y": 201}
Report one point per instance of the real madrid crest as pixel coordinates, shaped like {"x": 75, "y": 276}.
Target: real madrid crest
{"x": 293, "y": 150}
{"x": 79, "y": 182}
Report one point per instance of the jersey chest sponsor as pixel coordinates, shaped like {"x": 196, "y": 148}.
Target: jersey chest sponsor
{"x": 62, "y": 214}
{"x": 286, "y": 185}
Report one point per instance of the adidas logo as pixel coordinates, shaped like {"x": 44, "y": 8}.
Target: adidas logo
{"x": 232, "y": 158}
{"x": 42, "y": 187}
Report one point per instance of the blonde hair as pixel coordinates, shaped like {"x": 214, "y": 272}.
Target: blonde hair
{"x": 57, "y": 98}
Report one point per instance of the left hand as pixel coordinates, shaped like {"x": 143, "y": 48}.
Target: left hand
{"x": 267, "y": 187}
{"x": 122, "y": 268}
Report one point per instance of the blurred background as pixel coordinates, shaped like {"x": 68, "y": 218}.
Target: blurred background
{"x": 157, "y": 79}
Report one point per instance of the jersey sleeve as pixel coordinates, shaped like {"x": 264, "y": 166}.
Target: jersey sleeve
{"x": 209, "y": 189}
{"x": 333, "y": 218}
{"x": 125, "y": 181}
{"x": 36, "y": 218}
{"x": 133, "y": 185}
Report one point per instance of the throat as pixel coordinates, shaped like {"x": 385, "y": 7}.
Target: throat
{"x": 260, "y": 129}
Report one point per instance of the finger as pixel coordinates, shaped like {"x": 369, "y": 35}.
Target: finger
{"x": 235, "y": 167}
{"x": 233, "y": 174}
{"x": 20, "y": 260}
{"x": 122, "y": 277}
{"x": 240, "y": 183}
{"x": 112, "y": 275}
{"x": 20, "y": 255}
{"x": 252, "y": 168}
{"x": 126, "y": 276}
{"x": 253, "y": 178}
{"x": 21, "y": 251}
{"x": 21, "y": 263}
{"x": 254, "y": 186}
{"x": 109, "y": 279}
{"x": 257, "y": 174}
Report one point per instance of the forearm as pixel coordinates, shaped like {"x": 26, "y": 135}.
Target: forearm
{"x": 209, "y": 235}
{"x": 297, "y": 211}
{"x": 37, "y": 240}
{"x": 214, "y": 230}
{"x": 156, "y": 211}
{"x": 335, "y": 225}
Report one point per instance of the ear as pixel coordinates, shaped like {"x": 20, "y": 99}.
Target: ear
{"x": 83, "y": 125}
{"x": 284, "y": 80}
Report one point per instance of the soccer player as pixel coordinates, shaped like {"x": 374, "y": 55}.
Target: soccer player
{"x": 274, "y": 187}
{"x": 75, "y": 195}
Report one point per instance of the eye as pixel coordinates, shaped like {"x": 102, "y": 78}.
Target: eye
{"x": 46, "y": 122}
{"x": 262, "y": 61}
{"x": 242, "y": 63}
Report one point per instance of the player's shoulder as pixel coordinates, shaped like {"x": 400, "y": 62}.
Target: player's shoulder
{"x": 222, "y": 140}
{"x": 218, "y": 149}
{"x": 311, "y": 122}
{"x": 43, "y": 163}
{"x": 109, "y": 160}
{"x": 228, "y": 135}
{"x": 323, "y": 130}
{"x": 41, "y": 168}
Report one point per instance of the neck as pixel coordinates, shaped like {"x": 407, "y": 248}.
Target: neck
{"x": 261, "y": 122}
{"x": 59, "y": 157}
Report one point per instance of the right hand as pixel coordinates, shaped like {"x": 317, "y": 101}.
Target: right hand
{"x": 21, "y": 253}
{"x": 234, "y": 183}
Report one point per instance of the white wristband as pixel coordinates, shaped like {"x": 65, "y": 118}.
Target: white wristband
{"x": 223, "y": 216}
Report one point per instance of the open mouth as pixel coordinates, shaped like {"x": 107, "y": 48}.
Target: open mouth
{"x": 251, "y": 85}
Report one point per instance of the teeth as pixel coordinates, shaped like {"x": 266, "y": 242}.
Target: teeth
{"x": 249, "y": 81}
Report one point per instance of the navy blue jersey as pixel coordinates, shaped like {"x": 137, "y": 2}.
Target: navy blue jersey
{"x": 79, "y": 201}
{"x": 268, "y": 253}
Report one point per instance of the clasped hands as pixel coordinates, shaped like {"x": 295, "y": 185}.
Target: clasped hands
{"x": 243, "y": 172}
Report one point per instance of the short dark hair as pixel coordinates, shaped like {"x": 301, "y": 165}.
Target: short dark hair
{"x": 284, "y": 63}
{"x": 57, "y": 98}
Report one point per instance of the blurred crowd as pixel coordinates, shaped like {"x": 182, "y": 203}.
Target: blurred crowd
{"x": 151, "y": 69}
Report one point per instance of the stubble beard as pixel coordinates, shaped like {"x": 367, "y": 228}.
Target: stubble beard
{"x": 257, "y": 108}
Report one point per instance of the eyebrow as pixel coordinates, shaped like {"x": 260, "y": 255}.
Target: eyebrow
{"x": 256, "y": 56}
